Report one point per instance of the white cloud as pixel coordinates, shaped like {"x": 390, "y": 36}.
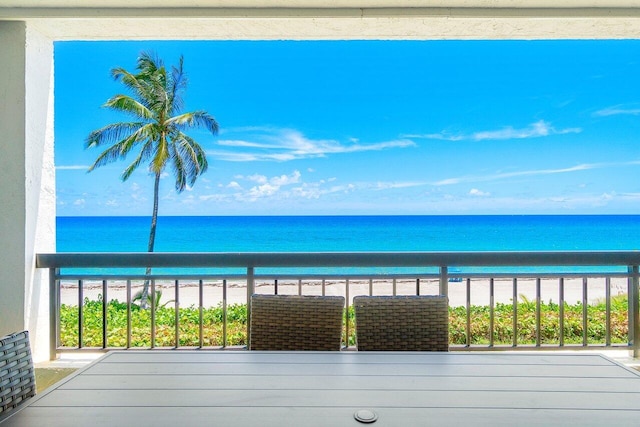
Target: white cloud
{"x": 478, "y": 193}
{"x": 498, "y": 176}
{"x": 72, "y": 167}
{"x": 634, "y": 196}
{"x": 264, "y": 190}
{"x": 392, "y": 185}
{"x": 214, "y": 197}
{"x": 444, "y": 136}
{"x": 534, "y": 130}
{"x": 617, "y": 110}
{"x": 263, "y": 144}
{"x": 79, "y": 202}
{"x": 257, "y": 187}
{"x": 267, "y": 187}
{"x": 286, "y": 179}
{"x": 307, "y": 191}
{"x": 260, "y": 179}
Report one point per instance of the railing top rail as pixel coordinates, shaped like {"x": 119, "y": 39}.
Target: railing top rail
{"x": 336, "y": 259}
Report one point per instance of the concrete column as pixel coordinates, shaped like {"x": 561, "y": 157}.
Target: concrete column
{"x": 27, "y": 179}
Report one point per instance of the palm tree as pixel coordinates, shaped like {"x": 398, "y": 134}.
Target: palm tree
{"x": 157, "y": 134}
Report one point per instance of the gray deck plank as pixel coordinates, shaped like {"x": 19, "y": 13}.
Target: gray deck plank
{"x": 348, "y": 382}
{"x": 444, "y": 369}
{"x": 316, "y": 417}
{"x": 497, "y": 358}
{"x": 259, "y": 397}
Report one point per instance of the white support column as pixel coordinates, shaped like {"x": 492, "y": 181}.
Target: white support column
{"x": 27, "y": 179}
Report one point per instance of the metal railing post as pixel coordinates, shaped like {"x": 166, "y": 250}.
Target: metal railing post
{"x": 538, "y": 313}
{"x": 608, "y": 311}
{"x": 128, "y": 313}
{"x": 444, "y": 280}
{"x": 153, "y": 313}
{"x": 201, "y": 314}
{"x": 468, "y": 310}
{"x": 105, "y": 297}
{"x": 634, "y": 316}
{"x": 177, "y": 313}
{"x": 250, "y": 291}
{"x": 514, "y": 342}
{"x": 561, "y": 311}
{"x": 80, "y": 313}
{"x": 585, "y": 312}
{"x": 54, "y": 313}
{"x": 224, "y": 313}
{"x": 492, "y": 313}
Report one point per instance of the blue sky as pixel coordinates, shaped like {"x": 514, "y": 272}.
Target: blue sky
{"x": 372, "y": 127}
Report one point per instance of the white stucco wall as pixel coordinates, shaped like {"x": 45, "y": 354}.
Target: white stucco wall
{"x": 12, "y": 167}
{"x": 27, "y": 199}
{"x": 40, "y": 211}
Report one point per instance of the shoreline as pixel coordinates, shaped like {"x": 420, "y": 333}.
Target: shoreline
{"x": 236, "y": 293}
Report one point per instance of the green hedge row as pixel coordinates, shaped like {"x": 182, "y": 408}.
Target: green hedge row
{"x": 237, "y": 319}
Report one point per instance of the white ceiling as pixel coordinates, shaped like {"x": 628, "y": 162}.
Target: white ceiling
{"x": 327, "y": 19}
{"x": 317, "y": 3}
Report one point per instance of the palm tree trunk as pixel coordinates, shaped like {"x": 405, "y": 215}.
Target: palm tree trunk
{"x": 152, "y": 239}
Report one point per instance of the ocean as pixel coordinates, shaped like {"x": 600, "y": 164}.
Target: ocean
{"x": 350, "y": 233}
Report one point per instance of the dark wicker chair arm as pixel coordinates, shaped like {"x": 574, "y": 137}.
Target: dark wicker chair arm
{"x": 17, "y": 378}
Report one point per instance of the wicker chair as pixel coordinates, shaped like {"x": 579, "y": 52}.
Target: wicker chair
{"x": 402, "y": 323}
{"x": 17, "y": 378}
{"x": 296, "y": 322}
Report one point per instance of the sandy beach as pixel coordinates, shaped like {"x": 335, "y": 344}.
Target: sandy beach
{"x": 236, "y": 293}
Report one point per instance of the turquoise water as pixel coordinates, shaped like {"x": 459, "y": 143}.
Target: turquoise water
{"x": 352, "y": 233}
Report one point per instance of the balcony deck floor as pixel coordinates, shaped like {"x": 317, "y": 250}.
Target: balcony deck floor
{"x": 318, "y": 389}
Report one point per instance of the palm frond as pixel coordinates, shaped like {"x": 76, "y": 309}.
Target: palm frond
{"x": 194, "y": 151}
{"x": 129, "y": 105}
{"x": 109, "y": 155}
{"x": 154, "y": 74}
{"x": 193, "y": 159}
{"x": 135, "y": 83}
{"x": 179, "y": 171}
{"x": 177, "y": 84}
{"x": 145, "y": 153}
{"x": 143, "y": 134}
{"x": 149, "y": 63}
{"x": 195, "y": 119}
{"x": 160, "y": 156}
{"x": 122, "y": 148}
{"x": 112, "y": 133}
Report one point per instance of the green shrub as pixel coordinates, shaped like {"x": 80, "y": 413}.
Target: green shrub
{"x": 237, "y": 324}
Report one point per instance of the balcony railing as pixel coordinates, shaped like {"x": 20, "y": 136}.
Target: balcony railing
{"x": 483, "y": 285}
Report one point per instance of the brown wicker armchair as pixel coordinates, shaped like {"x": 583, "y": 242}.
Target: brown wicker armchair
{"x": 402, "y": 323}
{"x": 17, "y": 378}
{"x": 296, "y": 322}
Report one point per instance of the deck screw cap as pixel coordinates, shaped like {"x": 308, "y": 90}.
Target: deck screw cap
{"x": 365, "y": 416}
